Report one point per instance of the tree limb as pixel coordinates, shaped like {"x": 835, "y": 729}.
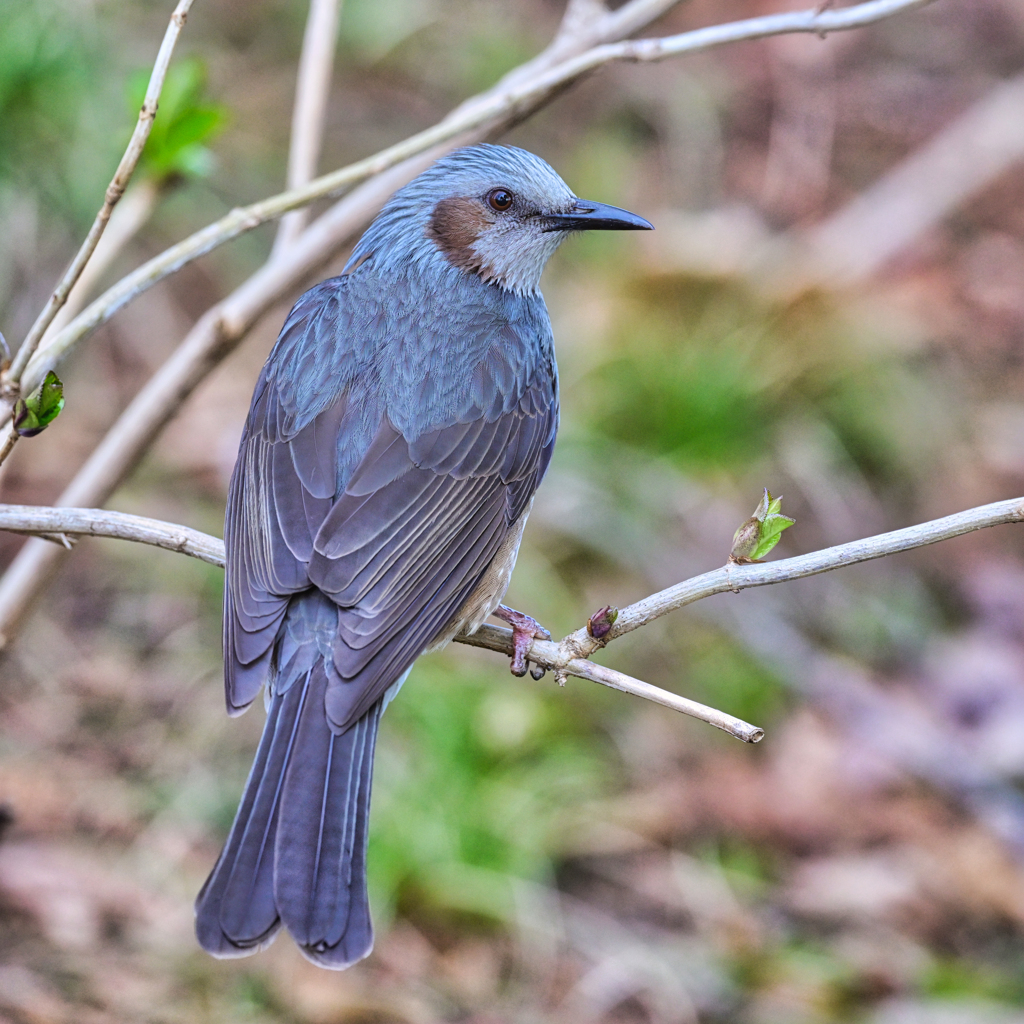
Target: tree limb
{"x": 12, "y": 378}
{"x": 488, "y": 110}
{"x": 98, "y": 522}
{"x": 549, "y": 656}
{"x": 570, "y": 656}
{"x": 735, "y": 578}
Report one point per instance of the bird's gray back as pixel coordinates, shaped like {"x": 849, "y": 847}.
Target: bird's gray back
{"x": 397, "y": 434}
{"x": 426, "y": 349}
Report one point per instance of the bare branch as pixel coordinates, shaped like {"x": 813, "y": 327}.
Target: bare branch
{"x": 741, "y": 577}
{"x": 311, "y": 93}
{"x": 10, "y": 439}
{"x": 126, "y": 221}
{"x": 569, "y": 657}
{"x": 549, "y": 656}
{"x": 54, "y": 523}
{"x": 579, "y": 21}
{"x": 125, "y": 169}
{"x": 632, "y": 17}
{"x": 97, "y": 522}
{"x": 487, "y": 111}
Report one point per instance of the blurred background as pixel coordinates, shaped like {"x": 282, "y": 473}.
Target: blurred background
{"x": 832, "y": 306}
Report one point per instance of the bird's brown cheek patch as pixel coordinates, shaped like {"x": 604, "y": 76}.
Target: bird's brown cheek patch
{"x": 455, "y": 225}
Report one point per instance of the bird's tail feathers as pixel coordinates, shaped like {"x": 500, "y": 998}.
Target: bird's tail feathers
{"x": 296, "y": 853}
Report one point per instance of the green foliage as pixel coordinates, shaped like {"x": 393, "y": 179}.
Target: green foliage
{"x": 185, "y": 122}
{"x": 704, "y": 371}
{"x": 253, "y": 995}
{"x": 32, "y": 415}
{"x": 761, "y": 532}
{"x": 721, "y": 673}
{"x": 745, "y": 867}
{"x": 959, "y": 978}
{"x": 44, "y": 55}
{"x": 474, "y": 770}
{"x": 687, "y": 380}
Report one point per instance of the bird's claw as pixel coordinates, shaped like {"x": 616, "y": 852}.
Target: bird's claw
{"x": 525, "y": 629}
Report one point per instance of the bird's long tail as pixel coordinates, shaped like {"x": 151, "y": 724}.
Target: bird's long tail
{"x": 296, "y": 854}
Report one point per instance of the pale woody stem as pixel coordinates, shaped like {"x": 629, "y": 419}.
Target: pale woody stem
{"x": 12, "y": 377}
{"x": 571, "y": 654}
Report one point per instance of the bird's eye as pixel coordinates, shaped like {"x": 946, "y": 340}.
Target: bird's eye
{"x": 500, "y": 199}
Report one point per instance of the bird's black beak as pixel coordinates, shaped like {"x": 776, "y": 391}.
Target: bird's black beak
{"x": 588, "y": 216}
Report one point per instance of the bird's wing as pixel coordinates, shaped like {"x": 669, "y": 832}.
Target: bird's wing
{"x": 284, "y": 482}
{"x": 403, "y": 544}
{"x": 414, "y": 531}
{"x": 277, "y": 501}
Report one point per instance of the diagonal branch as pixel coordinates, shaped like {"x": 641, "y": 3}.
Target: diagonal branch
{"x": 570, "y": 656}
{"x": 125, "y": 169}
{"x": 223, "y": 327}
{"x": 732, "y": 577}
{"x": 501, "y": 105}
{"x": 226, "y": 324}
{"x": 548, "y": 655}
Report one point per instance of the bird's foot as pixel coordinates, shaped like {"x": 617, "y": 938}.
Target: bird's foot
{"x": 525, "y": 629}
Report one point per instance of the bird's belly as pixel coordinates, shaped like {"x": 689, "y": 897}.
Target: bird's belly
{"x": 488, "y": 593}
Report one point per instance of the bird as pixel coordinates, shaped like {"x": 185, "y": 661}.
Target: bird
{"x": 397, "y": 435}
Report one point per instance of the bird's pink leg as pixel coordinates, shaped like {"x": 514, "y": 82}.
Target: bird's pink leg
{"x": 524, "y": 629}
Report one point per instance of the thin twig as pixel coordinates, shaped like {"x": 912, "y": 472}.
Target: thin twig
{"x": 741, "y": 577}
{"x": 312, "y": 89}
{"x": 571, "y": 654}
{"x": 580, "y": 20}
{"x": 9, "y": 440}
{"x": 125, "y": 169}
{"x": 128, "y": 218}
{"x": 514, "y": 102}
{"x": 549, "y": 655}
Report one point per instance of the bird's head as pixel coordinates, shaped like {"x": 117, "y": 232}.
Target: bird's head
{"x": 496, "y": 212}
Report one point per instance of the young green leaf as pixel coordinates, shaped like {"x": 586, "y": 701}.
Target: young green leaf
{"x": 34, "y": 414}
{"x": 761, "y": 532}
{"x": 184, "y": 123}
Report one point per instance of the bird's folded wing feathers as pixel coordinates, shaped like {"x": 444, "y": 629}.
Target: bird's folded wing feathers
{"x": 398, "y": 550}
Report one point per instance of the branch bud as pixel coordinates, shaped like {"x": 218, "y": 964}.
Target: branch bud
{"x": 761, "y": 532}
{"x": 34, "y": 414}
{"x": 599, "y": 625}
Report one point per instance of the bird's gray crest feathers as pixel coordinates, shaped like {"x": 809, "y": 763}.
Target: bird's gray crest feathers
{"x": 514, "y": 250}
